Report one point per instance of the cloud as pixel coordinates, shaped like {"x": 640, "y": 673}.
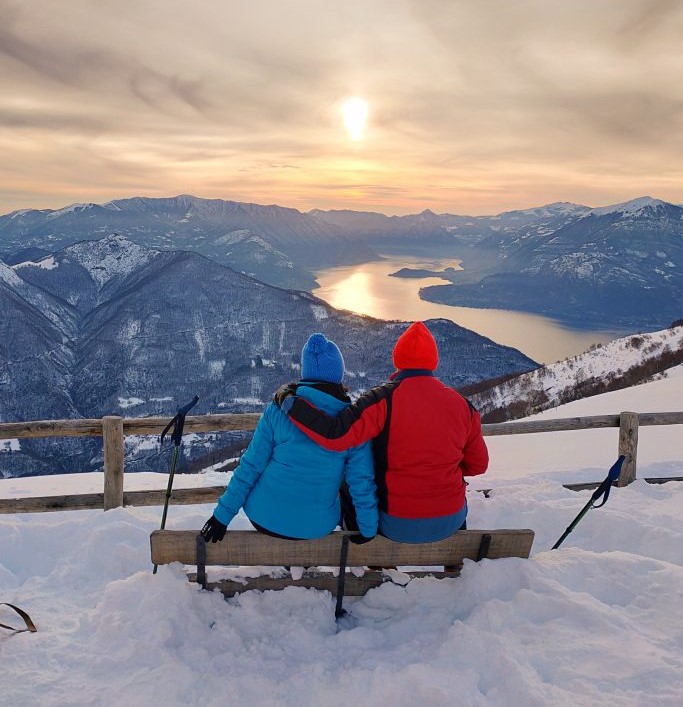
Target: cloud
{"x": 483, "y": 102}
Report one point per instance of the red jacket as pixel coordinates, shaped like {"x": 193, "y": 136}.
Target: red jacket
{"x": 426, "y": 437}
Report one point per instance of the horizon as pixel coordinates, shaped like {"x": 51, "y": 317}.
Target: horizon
{"x": 359, "y": 210}
{"x": 393, "y": 107}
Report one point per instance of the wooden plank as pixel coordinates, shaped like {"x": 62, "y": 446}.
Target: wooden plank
{"x": 591, "y": 485}
{"x": 89, "y": 501}
{"x": 560, "y": 425}
{"x": 41, "y": 504}
{"x": 139, "y": 425}
{"x": 51, "y": 428}
{"x": 353, "y": 586}
{"x": 193, "y": 423}
{"x": 660, "y": 418}
{"x": 628, "y": 446}
{"x": 248, "y": 421}
{"x": 204, "y": 494}
{"x": 112, "y": 430}
{"x": 249, "y": 548}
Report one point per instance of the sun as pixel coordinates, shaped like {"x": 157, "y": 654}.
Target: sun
{"x": 355, "y": 112}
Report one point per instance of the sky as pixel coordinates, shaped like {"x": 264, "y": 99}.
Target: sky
{"x": 473, "y": 106}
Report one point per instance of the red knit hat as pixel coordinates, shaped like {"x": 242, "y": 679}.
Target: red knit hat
{"x": 416, "y": 348}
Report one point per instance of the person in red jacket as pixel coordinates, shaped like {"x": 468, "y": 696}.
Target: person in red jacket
{"x": 426, "y": 438}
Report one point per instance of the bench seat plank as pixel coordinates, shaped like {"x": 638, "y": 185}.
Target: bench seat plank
{"x": 250, "y": 548}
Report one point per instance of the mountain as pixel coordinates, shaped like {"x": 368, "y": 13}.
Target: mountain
{"x": 109, "y": 327}
{"x": 616, "y": 365}
{"x": 618, "y": 266}
{"x": 278, "y": 245}
{"x": 612, "y": 267}
{"x": 448, "y": 229}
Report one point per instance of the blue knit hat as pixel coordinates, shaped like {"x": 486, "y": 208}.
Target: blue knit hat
{"x": 321, "y": 360}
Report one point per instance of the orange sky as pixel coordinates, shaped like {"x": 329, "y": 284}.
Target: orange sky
{"x": 474, "y": 106}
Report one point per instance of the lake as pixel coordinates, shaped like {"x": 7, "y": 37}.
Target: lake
{"x": 368, "y": 289}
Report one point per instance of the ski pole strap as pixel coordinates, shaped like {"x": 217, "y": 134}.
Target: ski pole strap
{"x": 30, "y": 626}
{"x": 341, "y": 580}
{"x": 606, "y": 486}
{"x": 201, "y": 561}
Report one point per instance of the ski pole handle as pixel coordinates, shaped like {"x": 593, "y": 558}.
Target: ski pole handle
{"x": 178, "y": 422}
{"x": 185, "y": 409}
{"x": 177, "y": 434}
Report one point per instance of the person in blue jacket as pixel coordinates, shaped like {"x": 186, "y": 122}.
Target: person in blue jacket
{"x": 288, "y": 485}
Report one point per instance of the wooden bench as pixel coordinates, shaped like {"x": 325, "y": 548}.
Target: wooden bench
{"x": 246, "y": 548}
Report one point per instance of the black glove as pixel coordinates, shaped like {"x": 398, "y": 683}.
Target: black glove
{"x": 360, "y": 539}
{"x": 213, "y": 530}
{"x": 284, "y": 391}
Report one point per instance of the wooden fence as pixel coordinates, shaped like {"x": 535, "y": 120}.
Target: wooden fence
{"x": 114, "y": 429}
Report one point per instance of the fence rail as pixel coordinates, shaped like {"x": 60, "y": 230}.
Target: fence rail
{"x": 114, "y": 429}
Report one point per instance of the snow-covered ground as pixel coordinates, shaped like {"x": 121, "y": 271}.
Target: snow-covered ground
{"x": 598, "y": 622}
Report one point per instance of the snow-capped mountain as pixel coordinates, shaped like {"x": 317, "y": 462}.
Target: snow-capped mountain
{"x": 618, "y": 364}
{"x": 614, "y": 266}
{"x": 617, "y": 266}
{"x": 633, "y": 207}
{"x": 121, "y": 330}
{"x": 285, "y": 241}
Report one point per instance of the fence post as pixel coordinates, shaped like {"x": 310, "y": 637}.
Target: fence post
{"x": 628, "y": 446}
{"x": 112, "y": 433}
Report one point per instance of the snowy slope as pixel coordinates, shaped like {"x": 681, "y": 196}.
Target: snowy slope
{"x": 550, "y": 385}
{"x": 598, "y": 622}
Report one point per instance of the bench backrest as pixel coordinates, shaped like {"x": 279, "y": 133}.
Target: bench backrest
{"x": 249, "y": 548}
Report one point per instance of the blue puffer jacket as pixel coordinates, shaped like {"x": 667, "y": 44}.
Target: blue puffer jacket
{"x": 290, "y": 485}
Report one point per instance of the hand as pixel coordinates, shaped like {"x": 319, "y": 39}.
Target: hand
{"x": 360, "y": 539}
{"x": 213, "y": 530}
{"x": 284, "y": 391}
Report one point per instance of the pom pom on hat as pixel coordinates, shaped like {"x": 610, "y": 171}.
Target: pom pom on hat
{"x": 416, "y": 348}
{"x": 321, "y": 360}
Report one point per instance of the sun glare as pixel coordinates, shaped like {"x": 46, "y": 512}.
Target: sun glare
{"x": 355, "y": 112}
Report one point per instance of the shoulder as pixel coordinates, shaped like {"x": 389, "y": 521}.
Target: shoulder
{"x": 459, "y": 400}
{"x": 379, "y": 392}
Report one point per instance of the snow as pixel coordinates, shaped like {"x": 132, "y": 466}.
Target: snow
{"x": 72, "y": 208}
{"x": 10, "y": 445}
{"x": 319, "y": 312}
{"x": 598, "y": 622}
{"x": 110, "y": 257}
{"x": 130, "y": 402}
{"x": 629, "y": 207}
{"x": 8, "y": 276}
{"x": 48, "y": 263}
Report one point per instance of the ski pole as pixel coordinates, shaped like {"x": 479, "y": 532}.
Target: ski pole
{"x": 602, "y": 490}
{"x": 178, "y": 423}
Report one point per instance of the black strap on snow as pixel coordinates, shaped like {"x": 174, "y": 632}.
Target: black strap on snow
{"x": 341, "y": 580}
{"x": 201, "y": 561}
{"x": 30, "y": 626}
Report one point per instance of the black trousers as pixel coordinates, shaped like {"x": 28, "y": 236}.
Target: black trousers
{"x": 265, "y": 531}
